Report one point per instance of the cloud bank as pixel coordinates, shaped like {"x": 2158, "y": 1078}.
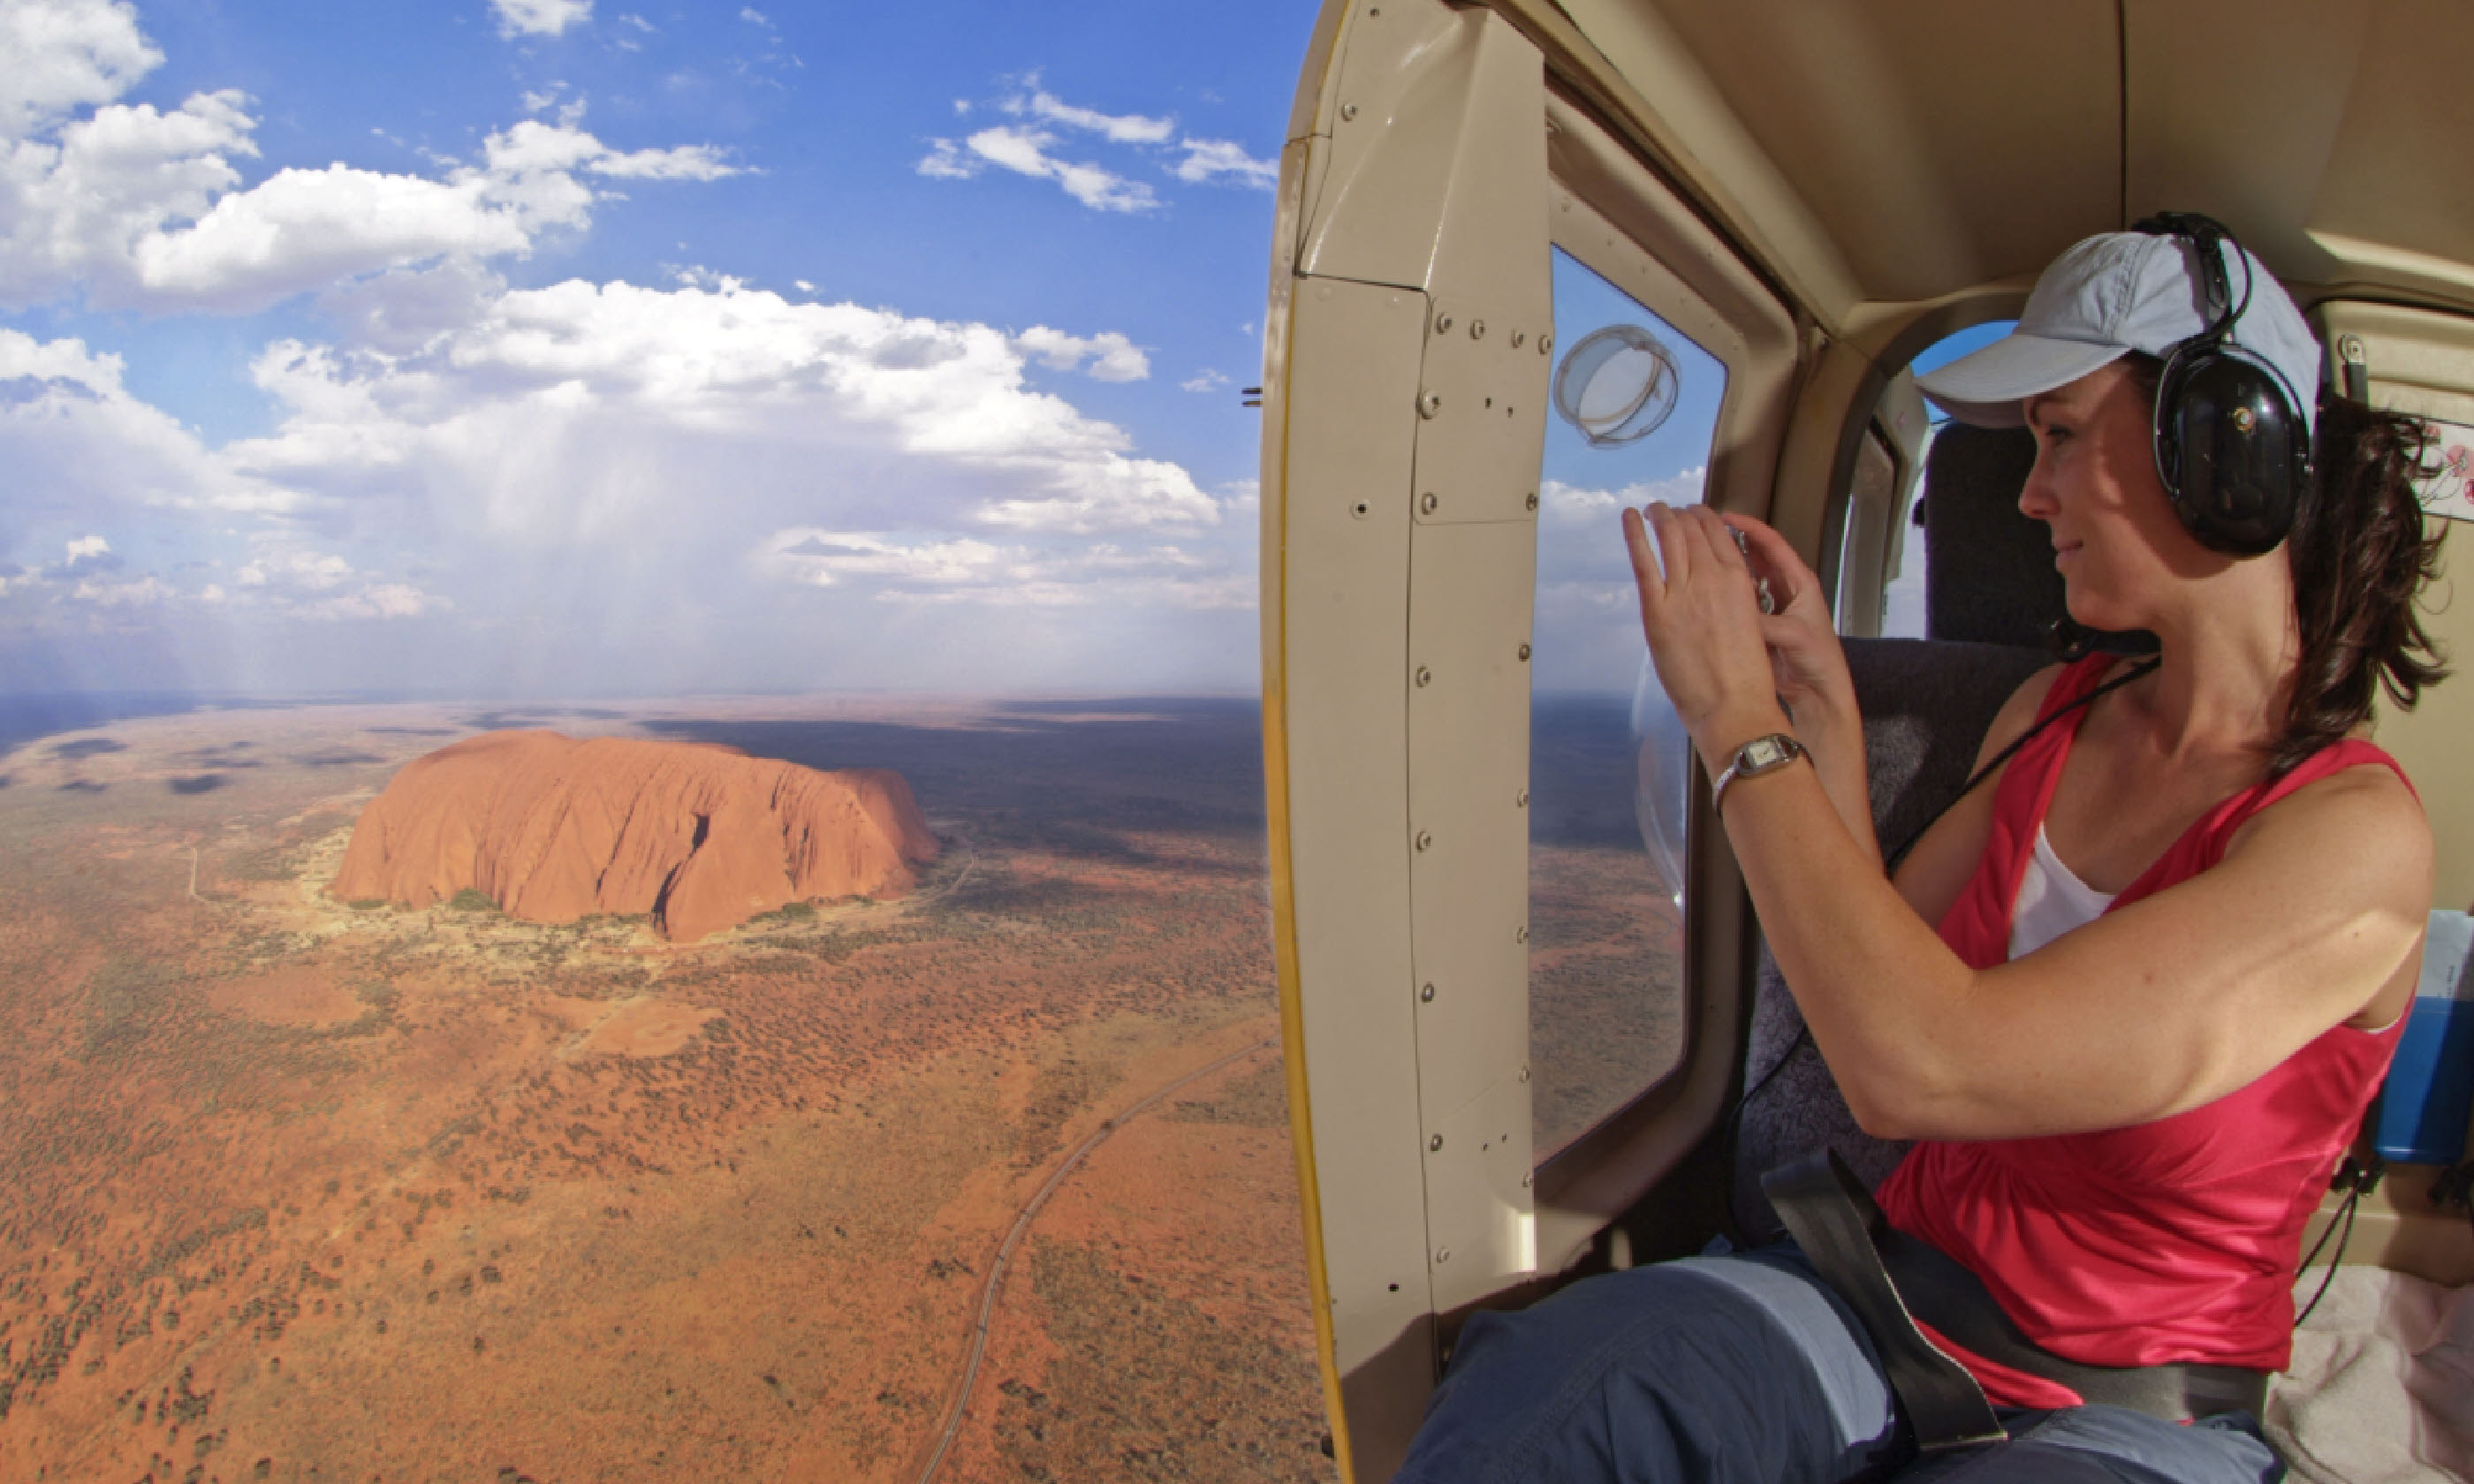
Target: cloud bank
{"x": 609, "y": 485}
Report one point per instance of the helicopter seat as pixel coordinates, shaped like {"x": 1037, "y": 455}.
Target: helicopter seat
{"x": 1992, "y": 593}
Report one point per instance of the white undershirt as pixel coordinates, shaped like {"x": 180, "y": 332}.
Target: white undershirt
{"x": 2051, "y": 900}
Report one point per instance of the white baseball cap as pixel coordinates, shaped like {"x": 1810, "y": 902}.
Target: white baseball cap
{"x": 2117, "y": 293}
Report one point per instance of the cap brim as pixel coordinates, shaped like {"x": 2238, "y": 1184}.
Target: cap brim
{"x": 1985, "y": 388}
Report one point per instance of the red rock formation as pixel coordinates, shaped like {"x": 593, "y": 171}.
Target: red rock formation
{"x": 701, "y": 837}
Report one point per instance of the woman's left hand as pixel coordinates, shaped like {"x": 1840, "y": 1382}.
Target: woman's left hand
{"x": 1702, "y": 619}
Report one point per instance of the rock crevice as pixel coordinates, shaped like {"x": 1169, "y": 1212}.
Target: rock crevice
{"x": 700, "y": 837}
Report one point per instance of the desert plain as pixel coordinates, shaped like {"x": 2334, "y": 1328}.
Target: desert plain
{"x": 299, "y": 1189}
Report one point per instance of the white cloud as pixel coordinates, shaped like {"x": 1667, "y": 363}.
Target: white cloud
{"x": 754, "y": 17}
{"x": 57, "y": 56}
{"x": 1223, "y": 159}
{"x": 1117, "y": 128}
{"x": 141, "y": 208}
{"x": 540, "y": 17}
{"x": 1205, "y": 380}
{"x": 621, "y": 396}
{"x": 79, "y": 447}
{"x": 932, "y": 570}
{"x": 946, "y": 161}
{"x": 1573, "y": 505}
{"x": 1030, "y": 148}
{"x": 1026, "y": 152}
{"x": 1112, "y": 357}
{"x": 616, "y": 486}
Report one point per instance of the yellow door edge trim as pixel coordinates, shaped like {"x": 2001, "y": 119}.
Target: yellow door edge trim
{"x": 1284, "y": 943}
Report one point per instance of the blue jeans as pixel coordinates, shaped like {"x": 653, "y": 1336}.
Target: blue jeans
{"x": 1748, "y": 1368}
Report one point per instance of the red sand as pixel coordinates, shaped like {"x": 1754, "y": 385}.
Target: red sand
{"x": 700, "y": 837}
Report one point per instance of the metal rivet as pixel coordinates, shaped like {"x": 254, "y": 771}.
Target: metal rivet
{"x": 1427, "y": 502}
{"x": 1425, "y": 677}
{"x": 1443, "y": 323}
{"x": 1521, "y": 799}
{"x": 1426, "y": 992}
{"x": 1435, "y": 1144}
{"x": 2349, "y": 348}
{"x": 1518, "y": 339}
{"x": 1477, "y": 329}
{"x": 2243, "y": 419}
{"x": 1546, "y": 343}
{"x": 1442, "y": 1254}
{"x": 1430, "y": 404}
{"x": 1524, "y": 1074}
{"x": 1524, "y": 653}
{"x": 1521, "y": 934}
{"x": 1425, "y": 840}
{"x": 1531, "y": 503}
{"x": 1347, "y": 112}
{"x": 1525, "y": 1180}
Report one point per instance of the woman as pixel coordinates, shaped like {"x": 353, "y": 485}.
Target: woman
{"x": 2177, "y": 933}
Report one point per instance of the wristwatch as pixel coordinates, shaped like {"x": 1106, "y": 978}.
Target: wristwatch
{"x": 1761, "y": 754}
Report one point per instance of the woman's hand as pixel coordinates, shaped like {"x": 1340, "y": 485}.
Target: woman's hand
{"x": 1806, "y": 664}
{"x": 1704, "y": 624}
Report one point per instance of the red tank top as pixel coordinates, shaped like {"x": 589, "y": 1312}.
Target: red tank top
{"x": 2171, "y": 1240}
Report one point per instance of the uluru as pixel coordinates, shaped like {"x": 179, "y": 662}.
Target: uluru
{"x": 699, "y": 837}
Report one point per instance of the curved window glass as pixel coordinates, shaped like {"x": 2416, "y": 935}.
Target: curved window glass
{"x": 1635, "y": 405}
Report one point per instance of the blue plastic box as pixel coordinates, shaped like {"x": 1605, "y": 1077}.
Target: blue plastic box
{"x": 2431, "y": 1083}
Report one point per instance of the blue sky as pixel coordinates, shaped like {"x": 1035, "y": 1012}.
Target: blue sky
{"x": 544, "y": 347}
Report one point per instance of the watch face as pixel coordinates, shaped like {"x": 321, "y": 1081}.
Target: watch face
{"x": 1760, "y": 752}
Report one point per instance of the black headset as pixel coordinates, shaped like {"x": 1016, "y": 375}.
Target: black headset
{"x": 2232, "y": 445}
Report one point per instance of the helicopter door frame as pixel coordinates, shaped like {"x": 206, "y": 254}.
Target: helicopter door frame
{"x": 1407, "y": 351}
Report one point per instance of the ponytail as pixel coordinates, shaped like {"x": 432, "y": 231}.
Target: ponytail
{"x": 2360, "y": 552}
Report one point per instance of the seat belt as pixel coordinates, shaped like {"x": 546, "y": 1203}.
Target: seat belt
{"x": 1921, "y": 1281}
{"x": 1819, "y": 1202}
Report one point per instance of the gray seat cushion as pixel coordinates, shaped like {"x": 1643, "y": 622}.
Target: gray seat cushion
{"x": 1927, "y": 703}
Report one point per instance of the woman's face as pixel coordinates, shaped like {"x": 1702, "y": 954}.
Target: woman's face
{"x": 2116, "y": 539}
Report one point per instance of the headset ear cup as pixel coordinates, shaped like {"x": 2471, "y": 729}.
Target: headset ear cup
{"x": 2231, "y": 450}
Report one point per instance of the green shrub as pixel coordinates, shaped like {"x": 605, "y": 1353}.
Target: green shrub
{"x": 366, "y": 903}
{"x": 471, "y": 899}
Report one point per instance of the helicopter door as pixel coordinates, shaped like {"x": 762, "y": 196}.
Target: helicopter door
{"x": 1412, "y": 346}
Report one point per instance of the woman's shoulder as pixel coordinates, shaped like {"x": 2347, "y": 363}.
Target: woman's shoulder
{"x": 2020, "y": 712}
{"x": 2352, "y": 788}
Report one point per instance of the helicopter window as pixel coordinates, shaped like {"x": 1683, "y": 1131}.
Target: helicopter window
{"x": 1902, "y": 591}
{"x": 1635, "y": 405}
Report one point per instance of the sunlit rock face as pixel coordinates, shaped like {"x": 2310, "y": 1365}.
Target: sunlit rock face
{"x": 700, "y": 837}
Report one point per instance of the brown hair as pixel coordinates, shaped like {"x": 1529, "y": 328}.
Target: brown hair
{"x": 2360, "y": 552}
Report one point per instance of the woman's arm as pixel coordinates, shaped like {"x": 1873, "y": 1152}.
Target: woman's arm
{"x": 2158, "y": 1007}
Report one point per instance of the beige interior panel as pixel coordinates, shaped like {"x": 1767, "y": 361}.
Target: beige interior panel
{"x": 1855, "y": 101}
{"x": 1471, "y": 590}
{"x": 1414, "y": 172}
{"x": 1340, "y": 535}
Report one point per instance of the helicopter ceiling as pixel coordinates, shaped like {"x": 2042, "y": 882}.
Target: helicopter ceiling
{"x": 1868, "y": 154}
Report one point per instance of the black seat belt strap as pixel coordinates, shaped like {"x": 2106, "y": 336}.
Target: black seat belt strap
{"x": 1832, "y": 1218}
